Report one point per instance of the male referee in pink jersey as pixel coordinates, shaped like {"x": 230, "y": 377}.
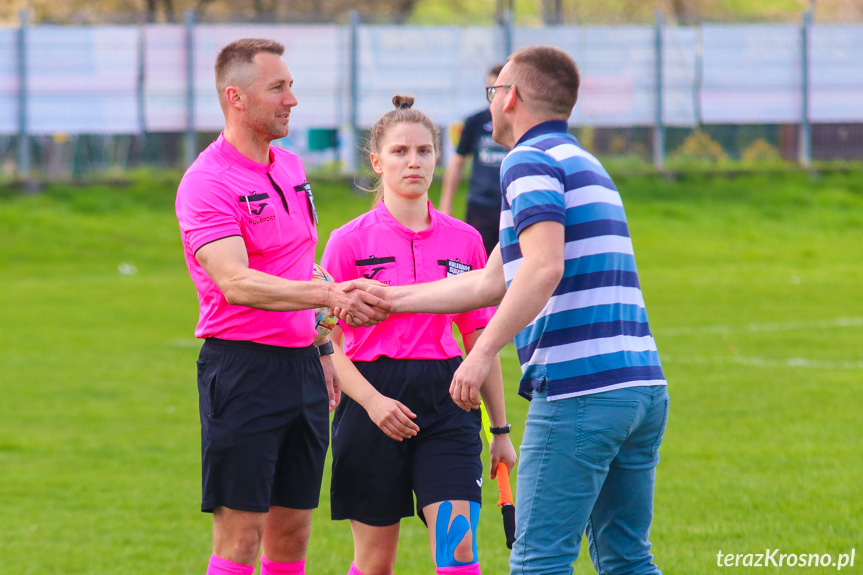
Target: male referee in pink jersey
{"x": 248, "y": 223}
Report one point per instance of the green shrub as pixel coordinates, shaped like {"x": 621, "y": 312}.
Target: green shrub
{"x": 760, "y": 152}
{"x": 698, "y": 149}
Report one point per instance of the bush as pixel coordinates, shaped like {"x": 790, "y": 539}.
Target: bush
{"x": 698, "y": 148}
{"x": 761, "y": 152}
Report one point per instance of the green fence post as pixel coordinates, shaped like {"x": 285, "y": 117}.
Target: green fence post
{"x": 191, "y": 138}
{"x": 141, "y": 81}
{"x": 23, "y": 168}
{"x": 805, "y": 150}
{"x": 354, "y": 56}
{"x": 507, "y": 25}
{"x": 659, "y": 130}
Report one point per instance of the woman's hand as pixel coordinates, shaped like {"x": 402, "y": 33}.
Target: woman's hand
{"x": 392, "y": 416}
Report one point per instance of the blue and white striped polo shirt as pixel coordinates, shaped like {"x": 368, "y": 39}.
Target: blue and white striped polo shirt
{"x": 592, "y": 335}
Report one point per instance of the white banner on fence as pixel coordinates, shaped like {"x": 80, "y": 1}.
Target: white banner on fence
{"x": 679, "y": 76}
{"x": 836, "y": 74}
{"x": 82, "y": 80}
{"x": 96, "y": 80}
{"x": 165, "y": 78}
{"x": 752, "y": 74}
{"x": 444, "y": 68}
{"x": 314, "y": 55}
{"x": 618, "y": 71}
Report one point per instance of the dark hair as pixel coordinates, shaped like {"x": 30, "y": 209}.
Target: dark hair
{"x": 233, "y": 64}
{"x": 548, "y": 79}
{"x": 404, "y": 113}
{"x": 495, "y": 70}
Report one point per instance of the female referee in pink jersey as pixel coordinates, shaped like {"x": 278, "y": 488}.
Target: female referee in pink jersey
{"x": 398, "y": 431}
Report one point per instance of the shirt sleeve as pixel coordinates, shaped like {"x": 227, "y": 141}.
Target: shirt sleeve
{"x": 468, "y": 137}
{"x": 534, "y": 186}
{"x": 336, "y": 259}
{"x": 205, "y": 211}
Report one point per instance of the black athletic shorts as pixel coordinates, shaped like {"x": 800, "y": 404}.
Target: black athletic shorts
{"x": 486, "y": 220}
{"x": 264, "y": 425}
{"x": 375, "y": 477}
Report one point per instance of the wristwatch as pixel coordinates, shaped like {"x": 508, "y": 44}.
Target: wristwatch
{"x": 325, "y": 348}
{"x": 500, "y": 430}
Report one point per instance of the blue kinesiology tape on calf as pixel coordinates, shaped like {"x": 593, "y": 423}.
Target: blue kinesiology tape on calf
{"x": 447, "y": 537}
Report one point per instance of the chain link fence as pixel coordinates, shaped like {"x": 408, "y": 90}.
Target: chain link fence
{"x": 77, "y": 100}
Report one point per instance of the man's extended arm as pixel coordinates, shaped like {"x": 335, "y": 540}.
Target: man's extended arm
{"x": 456, "y": 294}
{"x": 227, "y": 263}
{"x": 540, "y": 271}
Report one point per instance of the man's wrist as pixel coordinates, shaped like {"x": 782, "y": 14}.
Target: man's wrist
{"x": 500, "y": 430}
{"x": 485, "y": 346}
{"x": 326, "y": 348}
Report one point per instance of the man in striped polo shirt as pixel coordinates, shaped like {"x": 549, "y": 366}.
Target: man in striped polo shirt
{"x": 564, "y": 275}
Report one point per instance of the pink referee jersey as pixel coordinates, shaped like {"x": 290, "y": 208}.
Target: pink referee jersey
{"x": 376, "y": 246}
{"x": 271, "y": 208}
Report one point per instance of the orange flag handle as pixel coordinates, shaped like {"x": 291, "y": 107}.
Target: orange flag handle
{"x": 503, "y": 486}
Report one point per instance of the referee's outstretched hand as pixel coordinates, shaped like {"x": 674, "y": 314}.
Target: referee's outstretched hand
{"x": 374, "y": 294}
{"x": 358, "y": 307}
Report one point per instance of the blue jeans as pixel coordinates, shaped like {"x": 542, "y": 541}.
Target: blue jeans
{"x": 588, "y": 463}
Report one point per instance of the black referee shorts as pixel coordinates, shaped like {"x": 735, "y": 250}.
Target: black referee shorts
{"x": 264, "y": 425}
{"x": 375, "y": 477}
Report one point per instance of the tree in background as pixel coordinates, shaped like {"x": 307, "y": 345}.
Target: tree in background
{"x": 168, "y": 10}
{"x": 430, "y": 12}
{"x": 682, "y": 12}
{"x": 101, "y": 11}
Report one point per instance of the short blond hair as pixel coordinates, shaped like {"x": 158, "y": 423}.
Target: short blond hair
{"x": 234, "y": 62}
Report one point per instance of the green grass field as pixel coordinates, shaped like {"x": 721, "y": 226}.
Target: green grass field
{"x": 753, "y": 288}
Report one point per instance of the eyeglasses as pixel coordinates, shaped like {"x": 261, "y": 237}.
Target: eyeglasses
{"x": 490, "y": 91}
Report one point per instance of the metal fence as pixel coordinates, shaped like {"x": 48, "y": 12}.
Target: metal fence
{"x": 80, "y": 99}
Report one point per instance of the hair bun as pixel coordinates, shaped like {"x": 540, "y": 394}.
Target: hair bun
{"x": 403, "y": 102}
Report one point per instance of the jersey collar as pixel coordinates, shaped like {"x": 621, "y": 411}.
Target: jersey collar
{"x": 386, "y": 217}
{"x": 231, "y": 154}
{"x": 552, "y": 127}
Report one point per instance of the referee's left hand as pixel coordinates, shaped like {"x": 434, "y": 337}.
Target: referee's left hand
{"x": 334, "y": 384}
